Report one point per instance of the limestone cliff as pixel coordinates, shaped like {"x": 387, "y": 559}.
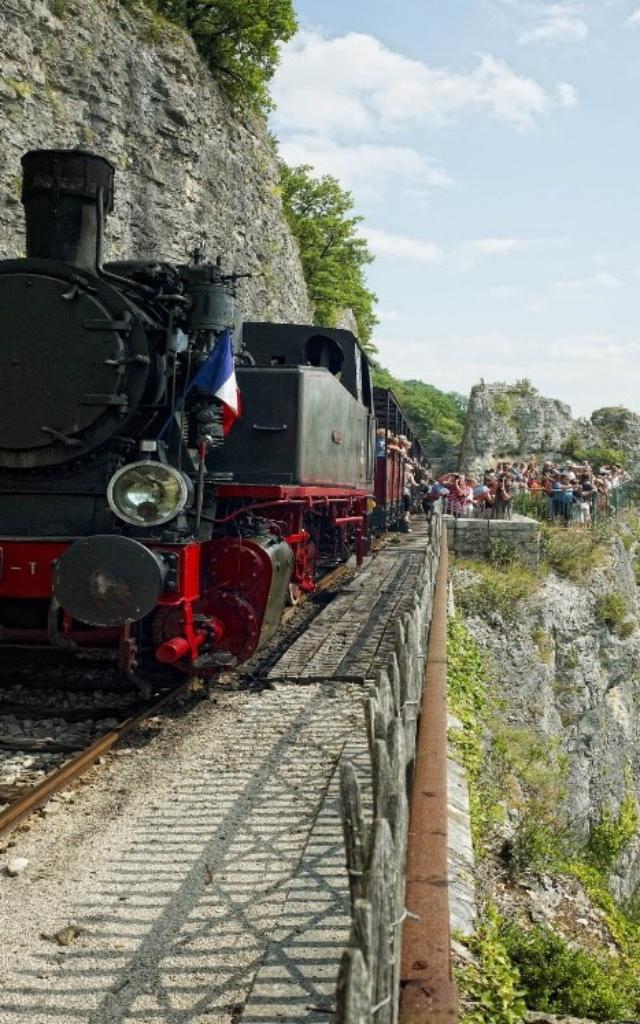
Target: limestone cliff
{"x": 99, "y": 75}
{"x": 563, "y": 672}
{"x": 557, "y": 777}
{"x": 514, "y": 420}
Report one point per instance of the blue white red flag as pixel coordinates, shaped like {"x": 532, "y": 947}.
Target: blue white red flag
{"x": 217, "y": 377}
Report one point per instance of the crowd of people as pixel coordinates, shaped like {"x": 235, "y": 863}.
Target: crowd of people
{"x": 569, "y": 492}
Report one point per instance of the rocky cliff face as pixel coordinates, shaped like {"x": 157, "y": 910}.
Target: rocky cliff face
{"x": 92, "y": 74}
{"x": 563, "y": 672}
{"x": 514, "y": 420}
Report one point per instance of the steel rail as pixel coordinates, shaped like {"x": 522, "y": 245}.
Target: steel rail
{"x": 38, "y": 795}
{"x": 428, "y": 992}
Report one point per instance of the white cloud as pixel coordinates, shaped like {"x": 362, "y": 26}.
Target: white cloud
{"x": 367, "y": 167}
{"x": 462, "y": 257}
{"x": 385, "y": 243}
{"x": 499, "y": 246}
{"x": 566, "y": 95}
{"x": 355, "y": 85}
{"x": 552, "y": 23}
{"x": 603, "y": 280}
{"x": 558, "y": 25}
{"x": 506, "y": 291}
{"x": 634, "y": 19}
{"x": 466, "y": 256}
{"x": 586, "y": 369}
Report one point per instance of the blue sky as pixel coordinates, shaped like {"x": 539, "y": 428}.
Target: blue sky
{"x": 493, "y": 150}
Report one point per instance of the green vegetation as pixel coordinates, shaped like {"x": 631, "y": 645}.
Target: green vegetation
{"x": 631, "y": 521}
{"x": 560, "y": 979}
{"x": 492, "y": 985}
{"x": 530, "y": 772}
{"x": 544, "y": 643}
{"x": 59, "y": 7}
{"x": 612, "y": 609}
{"x": 238, "y": 39}
{"x": 21, "y": 89}
{"x": 468, "y": 701}
{"x": 494, "y": 588}
{"x": 429, "y": 410}
{"x": 573, "y": 553}
{"x": 532, "y": 505}
{"x": 334, "y": 256}
{"x": 613, "y": 832}
{"x": 622, "y": 923}
{"x": 504, "y": 405}
{"x": 597, "y": 456}
{"x": 524, "y": 387}
{"x": 601, "y": 456}
{"x": 501, "y": 553}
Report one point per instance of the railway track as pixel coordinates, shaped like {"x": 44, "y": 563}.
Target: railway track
{"x": 23, "y": 801}
{"x": 26, "y": 794}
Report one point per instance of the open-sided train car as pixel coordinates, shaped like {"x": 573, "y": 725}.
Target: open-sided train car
{"x": 390, "y": 474}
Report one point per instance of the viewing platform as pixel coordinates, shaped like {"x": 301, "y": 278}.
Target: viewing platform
{"x": 475, "y": 538}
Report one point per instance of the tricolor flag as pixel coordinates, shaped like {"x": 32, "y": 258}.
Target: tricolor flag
{"x": 217, "y": 377}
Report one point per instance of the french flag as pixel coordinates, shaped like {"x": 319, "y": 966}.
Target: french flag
{"x": 217, "y": 377}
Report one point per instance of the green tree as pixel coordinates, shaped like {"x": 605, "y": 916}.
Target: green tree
{"x": 430, "y": 411}
{"x": 334, "y": 256}
{"x": 237, "y": 38}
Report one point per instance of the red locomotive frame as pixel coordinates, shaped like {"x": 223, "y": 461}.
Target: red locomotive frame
{"x": 222, "y": 586}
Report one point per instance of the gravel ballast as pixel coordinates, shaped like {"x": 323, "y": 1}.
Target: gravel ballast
{"x": 166, "y": 872}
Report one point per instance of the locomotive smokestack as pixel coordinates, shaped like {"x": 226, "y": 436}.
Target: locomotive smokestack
{"x": 61, "y": 191}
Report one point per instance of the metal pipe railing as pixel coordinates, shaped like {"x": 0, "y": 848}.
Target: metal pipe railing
{"x": 428, "y": 993}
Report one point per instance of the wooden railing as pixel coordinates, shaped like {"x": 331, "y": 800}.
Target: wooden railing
{"x": 376, "y": 846}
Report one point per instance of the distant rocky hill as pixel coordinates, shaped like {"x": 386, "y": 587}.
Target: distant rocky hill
{"x": 515, "y": 420}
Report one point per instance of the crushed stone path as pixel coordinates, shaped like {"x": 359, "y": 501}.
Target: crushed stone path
{"x": 176, "y": 882}
{"x": 204, "y": 874}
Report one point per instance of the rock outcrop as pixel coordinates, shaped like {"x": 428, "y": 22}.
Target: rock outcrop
{"x": 619, "y": 428}
{"x": 99, "y": 75}
{"x": 513, "y": 420}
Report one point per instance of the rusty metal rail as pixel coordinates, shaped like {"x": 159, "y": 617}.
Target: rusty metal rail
{"x": 38, "y": 795}
{"x": 371, "y": 983}
{"x": 428, "y": 993}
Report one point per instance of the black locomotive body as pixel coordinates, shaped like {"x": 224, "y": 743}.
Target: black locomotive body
{"x": 135, "y": 525}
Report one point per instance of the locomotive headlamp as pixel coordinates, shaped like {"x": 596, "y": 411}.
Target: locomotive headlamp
{"x": 147, "y": 493}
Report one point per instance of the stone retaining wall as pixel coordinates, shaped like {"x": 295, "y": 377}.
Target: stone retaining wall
{"x": 473, "y": 538}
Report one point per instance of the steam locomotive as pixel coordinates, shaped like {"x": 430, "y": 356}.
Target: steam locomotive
{"x": 135, "y": 526}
